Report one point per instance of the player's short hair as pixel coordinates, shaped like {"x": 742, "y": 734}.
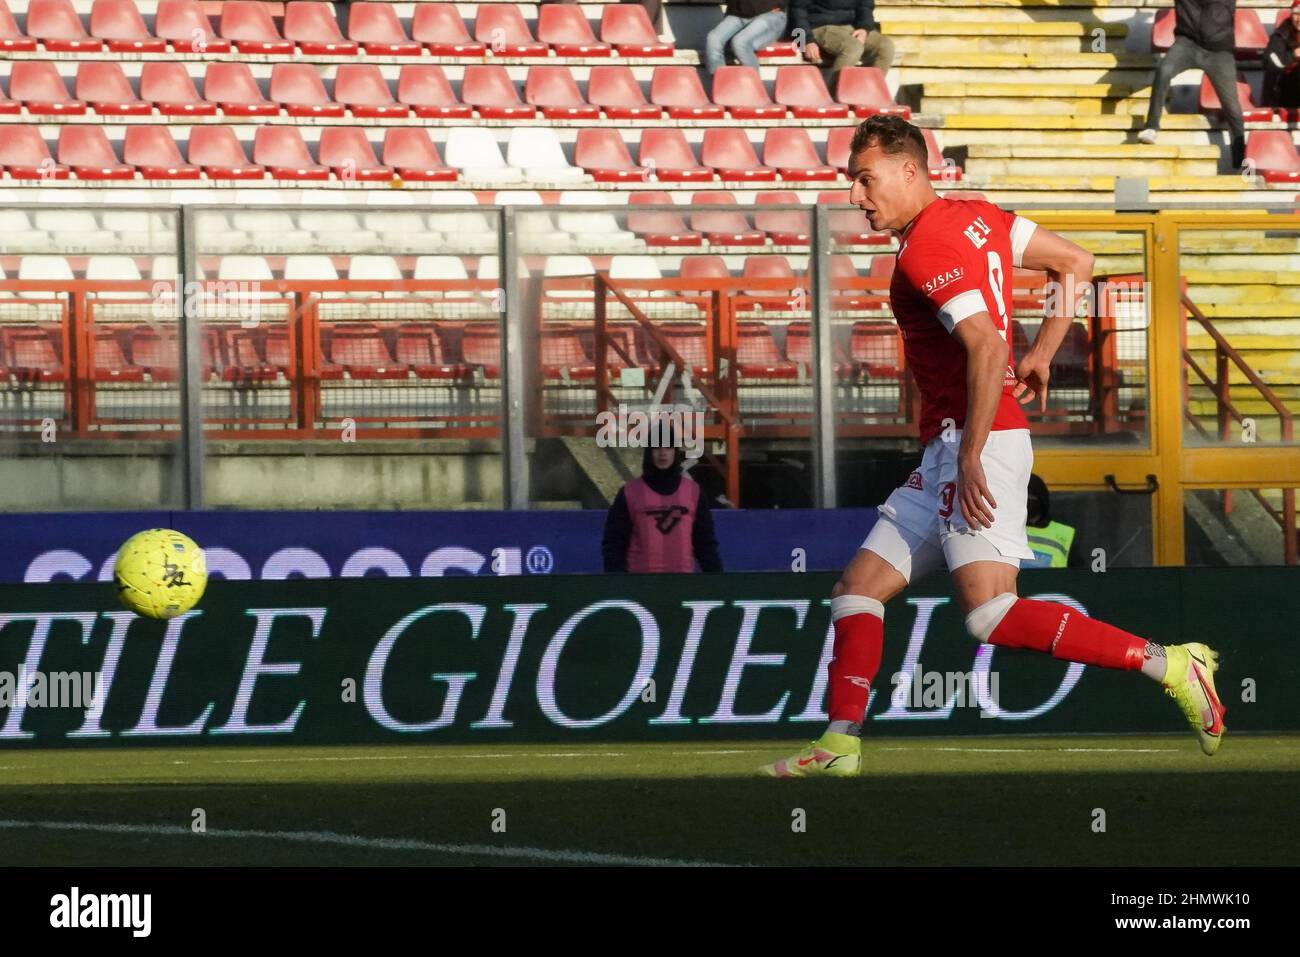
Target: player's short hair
{"x": 893, "y": 135}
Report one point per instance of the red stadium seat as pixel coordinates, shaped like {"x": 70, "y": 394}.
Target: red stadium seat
{"x": 627, "y": 26}
{"x": 184, "y": 25}
{"x": 552, "y": 90}
{"x": 1019, "y": 339}
{"x": 770, "y": 267}
{"x": 364, "y": 91}
{"x": 562, "y": 355}
{"x": 502, "y": 28}
{"x": 409, "y": 150}
{"x": 420, "y": 347}
{"x": 849, "y": 227}
{"x": 360, "y": 349}
{"x": 488, "y": 88}
{"x": 666, "y": 153}
{"x": 156, "y": 353}
{"x": 791, "y": 151}
{"x": 86, "y": 150}
{"x": 439, "y": 27}
{"x": 703, "y": 267}
{"x": 798, "y": 349}
{"x": 249, "y": 26}
{"x": 347, "y": 151}
{"x": 24, "y": 153}
{"x": 882, "y": 267}
{"x": 152, "y": 150}
{"x": 565, "y": 28}
{"x": 783, "y": 49}
{"x": 13, "y": 40}
{"x": 802, "y": 89}
{"x": 690, "y": 339}
{"x": 679, "y": 91}
{"x": 298, "y": 88}
{"x": 32, "y": 355}
{"x": 732, "y": 156}
{"x": 56, "y": 24}
{"x": 1071, "y": 363}
{"x": 741, "y": 91}
{"x": 757, "y": 356}
{"x": 279, "y": 352}
{"x": 312, "y": 26}
{"x": 244, "y": 359}
{"x": 837, "y": 146}
{"x": 282, "y": 151}
{"x": 103, "y": 85}
{"x": 376, "y": 27}
{"x": 615, "y": 90}
{"x": 232, "y": 87}
{"x": 877, "y": 347}
{"x": 1162, "y": 32}
{"x": 110, "y": 363}
{"x": 480, "y": 346}
{"x": 603, "y": 154}
{"x": 219, "y": 153}
{"x": 1273, "y": 155}
{"x": 1250, "y": 113}
{"x": 40, "y": 88}
{"x": 658, "y": 228}
{"x": 625, "y": 334}
{"x": 170, "y": 89}
{"x": 1249, "y": 36}
{"x": 9, "y": 107}
{"x": 790, "y": 227}
{"x": 863, "y": 88}
{"x": 845, "y": 294}
{"x": 119, "y": 24}
{"x": 940, "y": 169}
{"x": 720, "y": 227}
{"x": 426, "y": 90}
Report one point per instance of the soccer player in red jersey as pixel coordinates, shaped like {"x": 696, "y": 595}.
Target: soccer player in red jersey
{"x": 966, "y": 505}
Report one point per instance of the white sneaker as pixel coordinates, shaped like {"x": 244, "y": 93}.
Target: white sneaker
{"x": 1148, "y": 136}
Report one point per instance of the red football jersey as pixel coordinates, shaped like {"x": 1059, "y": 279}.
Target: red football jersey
{"x": 955, "y": 261}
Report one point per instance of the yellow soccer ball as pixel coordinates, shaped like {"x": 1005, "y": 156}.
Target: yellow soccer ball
{"x": 160, "y": 573}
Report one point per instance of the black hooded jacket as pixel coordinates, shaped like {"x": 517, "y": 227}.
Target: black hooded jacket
{"x": 618, "y": 523}
{"x": 1279, "y": 60}
{"x": 1207, "y": 23}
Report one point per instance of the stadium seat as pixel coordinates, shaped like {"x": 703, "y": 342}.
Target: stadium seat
{"x": 838, "y": 139}
{"x": 364, "y": 91}
{"x": 153, "y": 152}
{"x": 101, "y": 268}
{"x": 30, "y": 354}
{"x": 109, "y": 361}
{"x": 757, "y": 356}
{"x": 488, "y": 88}
{"x": 360, "y": 349}
{"x": 13, "y": 40}
{"x": 184, "y": 25}
{"x": 604, "y": 155}
{"x": 538, "y": 152}
{"x": 703, "y": 267}
{"x": 44, "y": 269}
{"x": 410, "y": 151}
{"x": 248, "y": 24}
{"x": 728, "y": 151}
{"x": 217, "y": 150}
{"x": 1250, "y": 113}
{"x": 564, "y": 27}
{"x": 562, "y": 355}
{"x": 426, "y": 90}
{"x": 784, "y": 227}
{"x": 802, "y": 89}
{"x": 274, "y": 229}
{"x": 156, "y": 352}
{"x": 783, "y": 49}
{"x": 312, "y": 268}
{"x": 376, "y": 27}
{"x": 615, "y": 90}
{"x": 771, "y": 267}
{"x": 103, "y": 85}
{"x": 298, "y": 88}
{"x": 721, "y": 227}
{"x": 625, "y": 335}
{"x": 245, "y": 362}
{"x": 1273, "y": 155}
{"x": 627, "y": 27}
{"x": 741, "y": 91}
{"x": 940, "y": 169}
{"x": 1249, "y": 36}
{"x": 659, "y": 227}
{"x": 282, "y": 151}
{"x": 9, "y": 107}
{"x": 55, "y": 23}
{"x": 39, "y": 87}
{"x": 138, "y": 228}
{"x": 119, "y": 24}
{"x": 419, "y": 347}
{"x": 475, "y": 152}
{"x": 442, "y": 269}
{"x": 480, "y": 346}
{"x": 232, "y": 87}
{"x": 877, "y": 348}
{"x": 535, "y": 225}
{"x": 690, "y": 339}
{"x": 87, "y": 152}
{"x": 313, "y": 27}
{"x": 1071, "y": 363}
{"x": 71, "y": 227}
{"x": 347, "y": 151}
{"x": 791, "y": 151}
{"x": 798, "y": 349}
{"x": 849, "y": 227}
{"x": 376, "y": 269}
{"x": 552, "y": 90}
{"x": 1162, "y": 31}
{"x": 170, "y": 89}
{"x": 1019, "y": 339}
{"x": 601, "y": 228}
{"x": 864, "y": 90}
{"x": 241, "y": 268}
{"x": 439, "y": 27}
{"x": 25, "y": 155}
{"x": 678, "y": 90}
{"x": 502, "y": 28}
{"x": 665, "y": 152}
{"x": 471, "y": 231}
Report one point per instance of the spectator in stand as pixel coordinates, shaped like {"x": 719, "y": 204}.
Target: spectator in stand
{"x": 1204, "y": 40}
{"x": 1053, "y": 543}
{"x": 843, "y": 30}
{"x": 1282, "y": 64}
{"x": 749, "y": 25}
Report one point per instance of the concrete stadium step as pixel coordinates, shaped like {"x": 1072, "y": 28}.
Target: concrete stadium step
{"x": 1135, "y": 160}
{"x": 950, "y": 69}
{"x": 1013, "y": 121}
{"x": 1243, "y": 294}
{"x": 985, "y": 28}
{"x": 957, "y": 138}
{"x": 1019, "y": 60}
{"x": 1001, "y": 41}
{"x": 1030, "y": 98}
{"x": 1244, "y": 277}
{"x": 1216, "y": 184}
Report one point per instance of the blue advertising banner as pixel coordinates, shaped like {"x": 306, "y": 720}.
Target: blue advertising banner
{"x": 81, "y": 546}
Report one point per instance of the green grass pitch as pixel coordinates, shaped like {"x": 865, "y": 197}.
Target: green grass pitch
{"x": 950, "y": 801}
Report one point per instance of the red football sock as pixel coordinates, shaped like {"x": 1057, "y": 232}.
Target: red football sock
{"x": 859, "y": 637}
{"x": 1066, "y": 633}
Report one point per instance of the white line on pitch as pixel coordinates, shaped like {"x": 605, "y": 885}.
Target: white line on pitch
{"x": 1040, "y": 750}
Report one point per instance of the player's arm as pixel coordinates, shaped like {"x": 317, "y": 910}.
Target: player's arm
{"x": 986, "y": 367}
{"x": 1069, "y": 267}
